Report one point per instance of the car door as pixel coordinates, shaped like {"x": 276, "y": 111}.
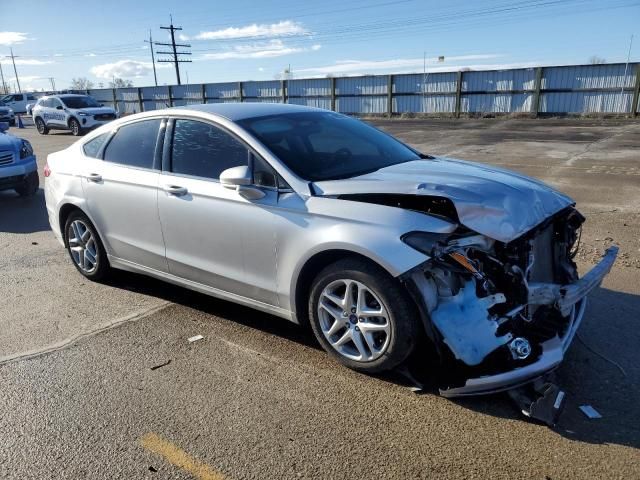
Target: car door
{"x": 213, "y": 236}
{"x": 121, "y": 193}
{"x": 54, "y": 115}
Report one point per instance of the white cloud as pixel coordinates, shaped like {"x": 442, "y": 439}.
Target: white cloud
{"x": 281, "y": 29}
{"x": 90, "y": 55}
{"x": 273, "y": 48}
{"x": 11, "y": 38}
{"x": 316, "y": 47}
{"x": 261, "y": 69}
{"x": 348, "y": 66}
{"x": 25, "y": 61}
{"x": 122, "y": 69}
{"x": 57, "y": 55}
{"x": 182, "y": 37}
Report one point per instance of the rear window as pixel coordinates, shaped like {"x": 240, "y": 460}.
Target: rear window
{"x": 134, "y": 145}
{"x": 93, "y": 146}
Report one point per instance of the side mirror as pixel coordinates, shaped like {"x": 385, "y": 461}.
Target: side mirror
{"x": 239, "y": 179}
{"x": 59, "y": 107}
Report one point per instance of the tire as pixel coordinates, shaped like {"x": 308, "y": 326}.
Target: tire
{"x": 41, "y": 126}
{"x": 372, "y": 344}
{"x": 30, "y": 185}
{"x": 85, "y": 249}
{"x": 74, "y": 126}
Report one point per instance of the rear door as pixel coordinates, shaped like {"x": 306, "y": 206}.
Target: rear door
{"x": 121, "y": 192}
{"x": 213, "y": 236}
{"x": 54, "y": 115}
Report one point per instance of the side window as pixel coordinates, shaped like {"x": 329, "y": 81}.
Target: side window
{"x": 202, "y": 150}
{"x": 92, "y": 147}
{"x": 18, "y": 97}
{"x": 30, "y": 97}
{"x": 134, "y": 145}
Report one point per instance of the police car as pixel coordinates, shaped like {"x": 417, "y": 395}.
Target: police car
{"x": 77, "y": 113}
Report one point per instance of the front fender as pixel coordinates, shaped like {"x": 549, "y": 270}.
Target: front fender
{"x": 311, "y": 226}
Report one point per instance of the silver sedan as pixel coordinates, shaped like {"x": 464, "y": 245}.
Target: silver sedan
{"x": 328, "y": 222}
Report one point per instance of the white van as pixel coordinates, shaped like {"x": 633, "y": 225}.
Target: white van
{"x": 18, "y": 101}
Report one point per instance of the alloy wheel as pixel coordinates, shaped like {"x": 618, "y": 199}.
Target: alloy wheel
{"x": 354, "y": 320}
{"x": 82, "y": 246}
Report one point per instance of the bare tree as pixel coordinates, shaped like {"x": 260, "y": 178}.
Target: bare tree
{"x": 81, "y": 83}
{"x": 596, "y": 60}
{"x": 120, "y": 83}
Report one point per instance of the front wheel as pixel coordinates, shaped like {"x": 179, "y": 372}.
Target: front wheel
{"x": 74, "y": 126}
{"x": 29, "y": 186}
{"x": 85, "y": 247}
{"x": 362, "y": 316}
{"x": 41, "y": 126}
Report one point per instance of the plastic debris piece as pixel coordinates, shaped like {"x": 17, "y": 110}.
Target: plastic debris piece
{"x": 155, "y": 367}
{"x": 589, "y": 411}
{"x": 195, "y": 338}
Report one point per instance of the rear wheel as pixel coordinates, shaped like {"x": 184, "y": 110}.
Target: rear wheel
{"x": 41, "y": 126}
{"x": 29, "y": 186}
{"x": 362, "y": 316}
{"x": 75, "y": 128}
{"x": 85, "y": 247}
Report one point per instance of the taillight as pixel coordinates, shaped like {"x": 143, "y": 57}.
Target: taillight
{"x": 46, "y": 170}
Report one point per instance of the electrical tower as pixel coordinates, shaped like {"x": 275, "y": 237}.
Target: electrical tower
{"x": 174, "y": 53}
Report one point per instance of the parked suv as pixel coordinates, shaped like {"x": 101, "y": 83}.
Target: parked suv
{"x": 18, "y": 169}
{"x": 77, "y": 113}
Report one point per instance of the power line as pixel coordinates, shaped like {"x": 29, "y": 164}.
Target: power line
{"x": 176, "y": 60}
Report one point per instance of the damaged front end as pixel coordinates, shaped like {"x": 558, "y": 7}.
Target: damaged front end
{"x": 502, "y": 314}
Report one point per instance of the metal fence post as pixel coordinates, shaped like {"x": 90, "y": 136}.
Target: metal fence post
{"x": 283, "y": 86}
{"x": 140, "y": 103}
{"x": 203, "y": 92}
{"x": 240, "y": 92}
{"x": 636, "y": 93}
{"x": 170, "y": 95}
{"x": 390, "y": 96}
{"x": 458, "y": 93}
{"x": 535, "y": 105}
{"x": 333, "y": 94}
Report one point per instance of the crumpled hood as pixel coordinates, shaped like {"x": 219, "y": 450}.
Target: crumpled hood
{"x": 94, "y": 110}
{"x": 498, "y": 203}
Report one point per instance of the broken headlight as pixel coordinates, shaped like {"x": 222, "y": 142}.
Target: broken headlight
{"x": 432, "y": 244}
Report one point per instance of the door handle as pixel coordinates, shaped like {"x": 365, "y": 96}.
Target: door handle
{"x": 175, "y": 190}
{"x": 94, "y": 177}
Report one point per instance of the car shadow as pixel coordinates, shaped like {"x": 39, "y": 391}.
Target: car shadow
{"x": 586, "y": 377}
{"x": 23, "y": 214}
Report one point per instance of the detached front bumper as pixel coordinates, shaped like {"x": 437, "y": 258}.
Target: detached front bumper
{"x": 570, "y": 300}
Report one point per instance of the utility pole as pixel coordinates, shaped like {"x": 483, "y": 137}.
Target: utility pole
{"x": 176, "y": 61}
{"x": 53, "y": 83}
{"x": 13, "y": 59}
{"x": 4, "y": 85}
{"x": 153, "y": 61}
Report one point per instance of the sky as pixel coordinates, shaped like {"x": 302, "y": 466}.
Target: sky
{"x": 259, "y": 40}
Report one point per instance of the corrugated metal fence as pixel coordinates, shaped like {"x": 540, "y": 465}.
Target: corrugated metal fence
{"x": 574, "y": 89}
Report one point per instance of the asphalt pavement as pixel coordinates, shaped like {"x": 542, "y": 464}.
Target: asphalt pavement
{"x": 100, "y": 380}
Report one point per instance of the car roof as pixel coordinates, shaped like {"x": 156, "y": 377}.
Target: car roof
{"x": 241, "y": 111}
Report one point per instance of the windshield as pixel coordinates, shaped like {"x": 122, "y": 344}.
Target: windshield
{"x": 327, "y": 146}
{"x": 79, "y": 102}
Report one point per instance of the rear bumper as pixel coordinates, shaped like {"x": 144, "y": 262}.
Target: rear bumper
{"x": 568, "y": 298}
